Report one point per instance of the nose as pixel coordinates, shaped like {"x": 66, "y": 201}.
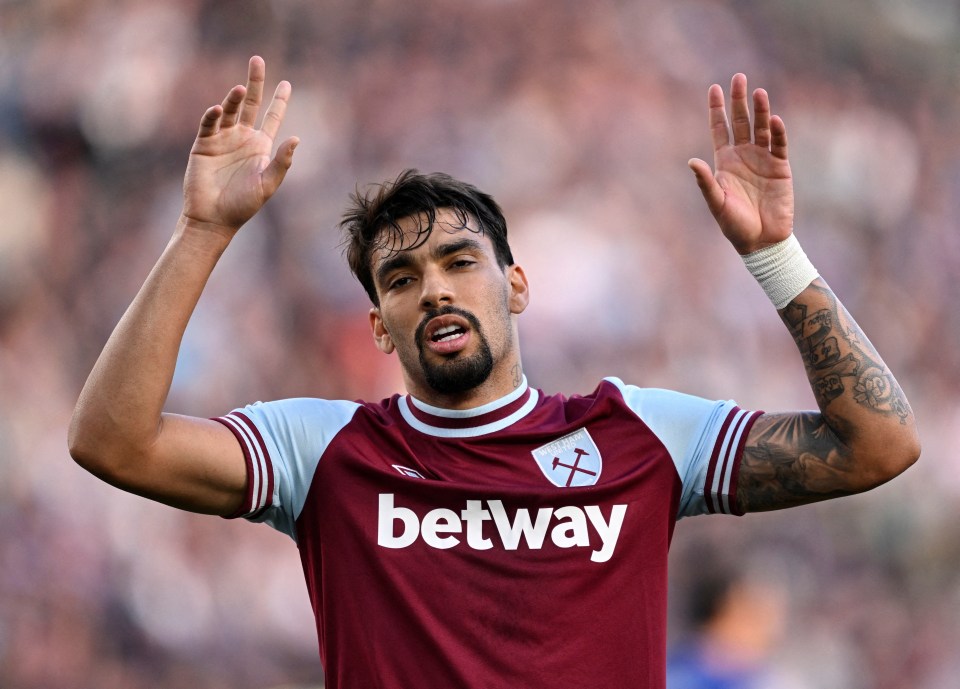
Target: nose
{"x": 435, "y": 290}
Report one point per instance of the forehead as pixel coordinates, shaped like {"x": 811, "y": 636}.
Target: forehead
{"x": 414, "y": 233}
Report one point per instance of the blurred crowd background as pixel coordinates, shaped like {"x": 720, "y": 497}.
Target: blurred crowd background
{"x": 579, "y": 118}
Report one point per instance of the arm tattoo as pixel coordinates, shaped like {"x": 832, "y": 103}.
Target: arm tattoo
{"x": 839, "y": 358}
{"x": 792, "y": 459}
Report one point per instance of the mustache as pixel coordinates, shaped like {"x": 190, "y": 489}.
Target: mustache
{"x": 445, "y": 311}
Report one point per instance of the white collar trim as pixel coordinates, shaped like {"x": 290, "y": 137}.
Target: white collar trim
{"x": 476, "y": 411}
{"x": 474, "y": 431}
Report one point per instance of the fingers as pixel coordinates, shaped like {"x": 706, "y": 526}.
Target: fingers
{"x": 766, "y": 130}
{"x": 717, "y": 116}
{"x": 242, "y": 104}
{"x": 740, "y": 109}
{"x": 210, "y": 122}
{"x": 278, "y": 106}
{"x": 231, "y": 106}
{"x": 761, "y": 117}
{"x": 778, "y": 142}
{"x": 709, "y": 187}
{"x": 277, "y": 169}
{"x": 256, "y": 75}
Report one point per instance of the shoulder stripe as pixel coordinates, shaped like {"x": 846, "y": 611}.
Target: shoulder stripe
{"x": 259, "y": 465}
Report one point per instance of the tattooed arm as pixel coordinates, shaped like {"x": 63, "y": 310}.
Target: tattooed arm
{"x": 864, "y": 433}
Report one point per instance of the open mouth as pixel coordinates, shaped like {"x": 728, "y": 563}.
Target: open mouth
{"x": 446, "y": 334}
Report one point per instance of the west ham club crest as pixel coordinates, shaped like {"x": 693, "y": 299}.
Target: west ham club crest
{"x": 570, "y": 461}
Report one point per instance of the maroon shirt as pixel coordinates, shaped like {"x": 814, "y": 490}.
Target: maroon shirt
{"x": 521, "y": 544}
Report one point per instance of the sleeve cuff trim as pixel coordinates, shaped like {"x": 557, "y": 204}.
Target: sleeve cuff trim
{"x": 259, "y": 494}
{"x": 720, "y": 487}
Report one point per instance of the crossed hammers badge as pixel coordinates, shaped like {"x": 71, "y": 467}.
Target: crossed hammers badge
{"x": 571, "y": 461}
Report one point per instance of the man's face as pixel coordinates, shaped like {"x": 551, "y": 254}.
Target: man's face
{"x": 446, "y": 307}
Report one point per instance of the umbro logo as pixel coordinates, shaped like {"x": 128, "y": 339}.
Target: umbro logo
{"x": 407, "y": 471}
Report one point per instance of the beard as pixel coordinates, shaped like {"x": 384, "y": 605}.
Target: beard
{"x": 460, "y": 373}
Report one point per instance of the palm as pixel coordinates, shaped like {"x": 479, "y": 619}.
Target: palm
{"x": 224, "y": 184}
{"x": 758, "y": 195}
{"x": 750, "y": 193}
{"x": 231, "y": 173}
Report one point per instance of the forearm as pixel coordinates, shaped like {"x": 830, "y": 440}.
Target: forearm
{"x": 120, "y": 406}
{"x": 864, "y": 433}
{"x": 856, "y": 392}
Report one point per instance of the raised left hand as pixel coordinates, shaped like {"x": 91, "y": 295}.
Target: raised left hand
{"x": 750, "y": 190}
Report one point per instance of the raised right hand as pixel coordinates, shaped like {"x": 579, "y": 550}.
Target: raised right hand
{"x": 230, "y": 173}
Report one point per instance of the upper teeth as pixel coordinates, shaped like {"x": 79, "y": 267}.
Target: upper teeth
{"x": 445, "y": 332}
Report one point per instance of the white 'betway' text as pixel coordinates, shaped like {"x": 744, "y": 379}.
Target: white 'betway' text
{"x": 570, "y": 526}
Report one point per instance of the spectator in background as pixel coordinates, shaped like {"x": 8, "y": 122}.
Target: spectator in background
{"x": 735, "y": 624}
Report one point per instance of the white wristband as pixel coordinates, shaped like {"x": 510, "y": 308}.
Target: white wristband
{"x": 782, "y": 269}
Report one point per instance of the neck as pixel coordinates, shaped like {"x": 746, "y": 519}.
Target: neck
{"x": 499, "y": 384}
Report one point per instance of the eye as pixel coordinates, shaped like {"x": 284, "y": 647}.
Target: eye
{"x": 400, "y": 282}
{"x": 462, "y": 263}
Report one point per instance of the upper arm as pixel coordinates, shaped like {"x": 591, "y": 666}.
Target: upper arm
{"x": 792, "y": 459}
{"x": 193, "y": 464}
{"x": 257, "y": 461}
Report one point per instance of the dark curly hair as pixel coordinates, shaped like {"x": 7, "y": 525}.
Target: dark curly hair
{"x": 372, "y": 221}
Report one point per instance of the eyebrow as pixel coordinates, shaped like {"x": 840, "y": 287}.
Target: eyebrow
{"x": 403, "y": 259}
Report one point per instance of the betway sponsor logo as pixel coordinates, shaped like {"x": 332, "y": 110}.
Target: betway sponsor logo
{"x": 568, "y": 527}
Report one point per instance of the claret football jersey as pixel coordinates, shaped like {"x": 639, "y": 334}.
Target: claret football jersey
{"x": 519, "y": 544}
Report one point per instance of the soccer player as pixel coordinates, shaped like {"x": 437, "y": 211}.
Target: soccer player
{"x": 476, "y": 532}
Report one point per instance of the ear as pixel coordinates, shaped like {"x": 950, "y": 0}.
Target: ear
{"x": 519, "y": 289}
{"x": 380, "y": 335}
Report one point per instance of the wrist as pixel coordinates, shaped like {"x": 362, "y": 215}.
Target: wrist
{"x": 208, "y": 232}
{"x": 782, "y": 269}
{"x": 206, "y": 241}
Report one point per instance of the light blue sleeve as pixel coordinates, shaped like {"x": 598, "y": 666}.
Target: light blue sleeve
{"x": 283, "y": 441}
{"x": 704, "y": 439}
